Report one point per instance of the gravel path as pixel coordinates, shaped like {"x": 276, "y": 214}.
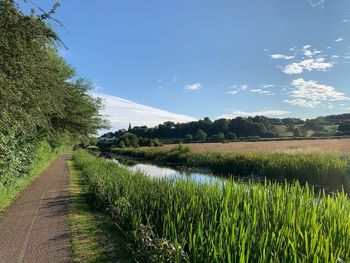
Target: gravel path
{"x": 35, "y": 228}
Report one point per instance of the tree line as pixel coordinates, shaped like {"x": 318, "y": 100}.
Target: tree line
{"x": 250, "y": 128}
{"x": 41, "y": 96}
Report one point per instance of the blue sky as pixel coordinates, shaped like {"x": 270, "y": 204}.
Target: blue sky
{"x": 187, "y": 59}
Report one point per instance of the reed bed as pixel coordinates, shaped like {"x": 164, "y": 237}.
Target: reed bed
{"x": 231, "y": 222}
{"x": 324, "y": 170}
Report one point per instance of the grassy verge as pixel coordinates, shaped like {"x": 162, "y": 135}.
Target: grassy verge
{"x": 331, "y": 171}
{"x": 44, "y": 156}
{"x": 175, "y": 221}
{"x": 94, "y": 237}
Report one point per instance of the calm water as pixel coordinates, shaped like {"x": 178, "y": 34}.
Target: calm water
{"x": 171, "y": 173}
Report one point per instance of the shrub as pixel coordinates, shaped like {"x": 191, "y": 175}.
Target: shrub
{"x": 188, "y": 138}
{"x": 200, "y": 135}
{"x": 218, "y": 137}
{"x": 231, "y": 136}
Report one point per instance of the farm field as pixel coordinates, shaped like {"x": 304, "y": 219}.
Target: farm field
{"x": 292, "y": 146}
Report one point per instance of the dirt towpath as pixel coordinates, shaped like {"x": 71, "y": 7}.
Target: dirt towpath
{"x": 35, "y": 228}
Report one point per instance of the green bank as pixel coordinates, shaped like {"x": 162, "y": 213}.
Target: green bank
{"x": 181, "y": 221}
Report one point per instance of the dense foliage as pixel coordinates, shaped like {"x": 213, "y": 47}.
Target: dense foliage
{"x": 250, "y": 128}
{"x": 230, "y": 222}
{"x": 329, "y": 171}
{"x": 41, "y": 98}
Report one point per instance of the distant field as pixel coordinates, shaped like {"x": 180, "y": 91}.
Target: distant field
{"x": 329, "y": 145}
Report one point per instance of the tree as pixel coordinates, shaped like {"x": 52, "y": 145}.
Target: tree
{"x": 231, "y": 136}
{"x": 188, "y": 138}
{"x": 218, "y": 137}
{"x": 129, "y": 140}
{"x": 40, "y": 96}
{"x": 344, "y": 127}
{"x": 220, "y": 126}
{"x": 200, "y": 135}
{"x": 297, "y": 132}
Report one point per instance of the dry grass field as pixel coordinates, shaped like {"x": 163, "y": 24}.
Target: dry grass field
{"x": 327, "y": 145}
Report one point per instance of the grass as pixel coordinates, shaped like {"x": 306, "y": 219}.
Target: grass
{"x": 45, "y": 155}
{"x": 329, "y": 171}
{"x": 94, "y": 237}
{"x": 231, "y": 222}
{"x": 320, "y": 145}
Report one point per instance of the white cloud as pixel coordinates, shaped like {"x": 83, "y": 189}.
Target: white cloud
{"x": 236, "y": 89}
{"x": 310, "y": 93}
{"x": 256, "y": 90}
{"x": 120, "y": 112}
{"x": 316, "y": 3}
{"x": 281, "y": 56}
{"x": 346, "y": 21}
{"x": 244, "y": 87}
{"x": 263, "y": 89}
{"x": 232, "y": 92}
{"x": 263, "y": 92}
{"x": 310, "y": 53}
{"x": 268, "y": 113}
{"x": 317, "y": 64}
{"x": 302, "y": 103}
{"x": 339, "y": 39}
{"x": 294, "y": 68}
{"x": 194, "y": 86}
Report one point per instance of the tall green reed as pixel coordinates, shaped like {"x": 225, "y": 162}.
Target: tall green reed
{"x": 234, "y": 222}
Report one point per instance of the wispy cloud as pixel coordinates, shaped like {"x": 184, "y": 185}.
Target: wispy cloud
{"x": 261, "y": 89}
{"x": 308, "y": 59}
{"x": 308, "y": 52}
{"x": 174, "y": 79}
{"x": 302, "y": 103}
{"x": 281, "y": 56}
{"x": 317, "y": 64}
{"x": 310, "y": 93}
{"x": 263, "y": 92}
{"x": 192, "y": 87}
{"x": 316, "y": 3}
{"x": 244, "y": 87}
{"x": 232, "y": 92}
{"x": 268, "y": 113}
{"x": 120, "y": 112}
{"x": 339, "y": 39}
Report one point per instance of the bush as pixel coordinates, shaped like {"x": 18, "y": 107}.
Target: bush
{"x": 188, "y": 138}
{"x": 128, "y": 140}
{"x": 200, "y": 135}
{"x": 231, "y": 136}
{"x": 344, "y": 127}
{"x": 218, "y": 137}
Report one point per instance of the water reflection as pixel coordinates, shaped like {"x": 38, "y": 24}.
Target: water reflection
{"x": 170, "y": 173}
